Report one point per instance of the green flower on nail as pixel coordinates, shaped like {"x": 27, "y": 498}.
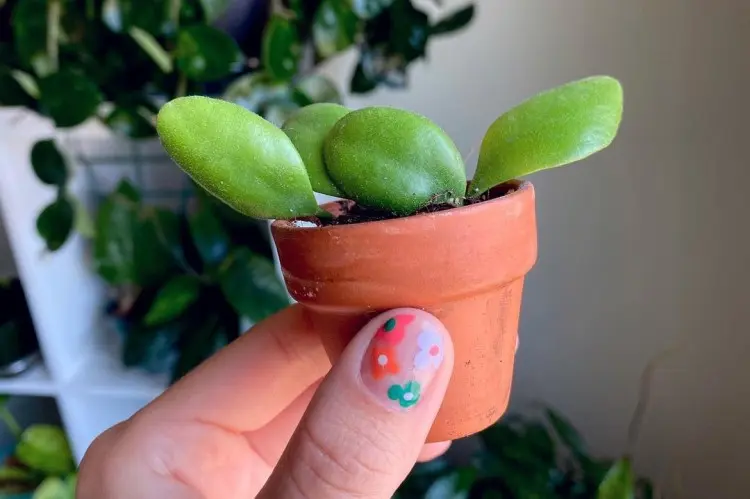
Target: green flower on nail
{"x": 407, "y": 395}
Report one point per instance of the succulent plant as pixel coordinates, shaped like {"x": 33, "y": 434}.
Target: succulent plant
{"x": 385, "y": 159}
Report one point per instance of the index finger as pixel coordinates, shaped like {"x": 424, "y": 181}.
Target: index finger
{"x": 245, "y": 385}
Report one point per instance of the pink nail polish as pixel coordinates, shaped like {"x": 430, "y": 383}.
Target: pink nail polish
{"x": 402, "y": 359}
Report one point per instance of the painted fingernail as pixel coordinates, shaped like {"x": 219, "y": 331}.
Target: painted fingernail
{"x": 402, "y": 359}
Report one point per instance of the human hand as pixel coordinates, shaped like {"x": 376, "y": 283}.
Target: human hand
{"x": 265, "y": 418}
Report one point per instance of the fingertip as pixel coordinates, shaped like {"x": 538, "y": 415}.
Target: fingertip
{"x": 433, "y": 451}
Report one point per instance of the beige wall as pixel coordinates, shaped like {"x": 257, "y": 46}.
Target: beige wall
{"x": 642, "y": 247}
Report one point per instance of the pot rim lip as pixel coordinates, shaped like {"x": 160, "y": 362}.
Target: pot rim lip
{"x": 522, "y": 188}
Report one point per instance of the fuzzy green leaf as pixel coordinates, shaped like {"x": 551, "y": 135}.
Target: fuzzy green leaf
{"x": 554, "y": 128}
{"x": 205, "y": 54}
{"x": 307, "y": 129}
{"x": 393, "y": 160}
{"x": 619, "y": 483}
{"x": 249, "y": 282}
{"x": 173, "y": 299}
{"x": 48, "y": 163}
{"x": 69, "y": 97}
{"x": 454, "y": 22}
{"x": 281, "y": 48}
{"x": 237, "y": 156}
{"x": 45, "y": 448}
{"x": 334, "y": 27}
{"x": 55, "y": 223}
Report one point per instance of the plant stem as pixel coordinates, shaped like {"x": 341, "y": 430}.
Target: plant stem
{"x": 174, "y": 13}
{"x": 181, "y": 85}
{"x": 13, "y": 426}
{"x": 54, "y": 13}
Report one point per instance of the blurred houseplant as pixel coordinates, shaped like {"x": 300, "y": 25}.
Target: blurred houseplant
{"x": 40, "y": 466}
{"x": 117, "y": 61}
{"x": 18, "y": 344}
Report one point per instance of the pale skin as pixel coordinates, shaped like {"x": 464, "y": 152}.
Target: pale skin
{"x": 269, "y": 417}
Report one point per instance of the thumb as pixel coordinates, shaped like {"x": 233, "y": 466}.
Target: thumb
{"x": 363, "y": 430}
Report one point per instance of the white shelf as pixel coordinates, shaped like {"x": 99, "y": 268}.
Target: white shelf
{"x": 103, "y": 374}
{"x": 35, "y": 381}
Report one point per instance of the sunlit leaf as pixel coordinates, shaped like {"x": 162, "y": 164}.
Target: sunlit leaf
{"x": 619, "y": 483}
{"x": 334, "y": 27}
{"x": 45, "y": 448}
{"x": 173, "y": 299}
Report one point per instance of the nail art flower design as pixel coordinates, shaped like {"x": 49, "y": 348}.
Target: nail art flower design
{"x": 392, "y": 332}
{"x": 430, "y": 352}
{"x": 406, "y": 395}
{"x": 383, "y": 361}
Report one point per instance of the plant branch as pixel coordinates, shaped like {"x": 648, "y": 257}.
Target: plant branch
{"x": 181, "y": 85}
{"x": 54, "y": 13}
{"x": 174, "y": 12}
{"x": 644, "y": 396}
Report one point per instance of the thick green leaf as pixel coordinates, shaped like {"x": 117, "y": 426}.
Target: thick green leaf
{"x": 48, "y": 163}
{"x": 334, "y": 27}
{"x": 367, "y": 9}
{"x": 209, "y": 236}
{"x": 554, "y": 128}
{"x": 55, "y": 223}
{"x": 237, "y": 156}
{"x": 314, "y": 89}
{"x": 149, "y": 15}
{"x": 206, "y": 54}
{"x": 249, "y": 282}
{"x": 307, "y": 129}
{"x": 567, "y": 434}
{"x": 157, "y": 245}
{"x": 29, "y": 24}
{"x": 281, "y": 48}
{"x": 12, "y": 474}
{"x": 69, "y": 97}
{"x": 116, "y": 227}
{"x": 45, "y": 448}
{"x": 173, "y": 299}
{"x": 454, "y": 22}
{"x": 213, "y": 9}
{"x": 393, "y": 160}
{"x": 128, "y": 121}
{"x": 254, "y": 91}
{"x": 151, "y": 46}
{"x": 619, "y": 483}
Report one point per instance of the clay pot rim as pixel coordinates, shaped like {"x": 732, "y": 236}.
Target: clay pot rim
{"x": 520, "y": 187}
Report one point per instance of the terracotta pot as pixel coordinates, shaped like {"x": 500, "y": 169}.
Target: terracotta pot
{"x": 465, "y": 265}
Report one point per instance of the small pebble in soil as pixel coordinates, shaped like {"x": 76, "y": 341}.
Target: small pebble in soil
{"x": 304, "y": 224}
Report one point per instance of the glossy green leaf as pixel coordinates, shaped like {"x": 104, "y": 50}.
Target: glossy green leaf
{"x": 173, "y": 299}
{"x": 69, "y": 97}
{"x": 567, "y": 434}
{"x": 367, "y": 9}
{"x": 55, "y": 223}
{"x": 619, "y": 483}
{"x": 393, "y": 160}
{"x": 209, "y": 236}
{"x": 29, "y": 25}
{"x": 362, "y": 82}
{"x": 307, "y": 129}
{"x": 27, "y": 82}
{"x": 554, "y": 128}
{"x": 205, "y": 54}
{"x": 129, "y": 121}
{"x": 334, "y": 27}
{"x": 198, "y": 344}
{"x": 314, "y": 89}
{"x": 255, "y": 91}
{"x": 237, "y": 156}
{"x": 249, "y": 282}
{"x": 410, "y": 31}
{"x": 151, "y": 46}
{"x": 454, "y": 22}
{"x": 48, "y": 163}
{"x": 213, "y": 9}
{"x": 45, "y": 448}
{"x": 281, "y": 48}
{"x": 157, "y": 245}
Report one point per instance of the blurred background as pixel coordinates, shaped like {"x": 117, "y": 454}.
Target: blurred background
{"x": 640, "y": 247}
